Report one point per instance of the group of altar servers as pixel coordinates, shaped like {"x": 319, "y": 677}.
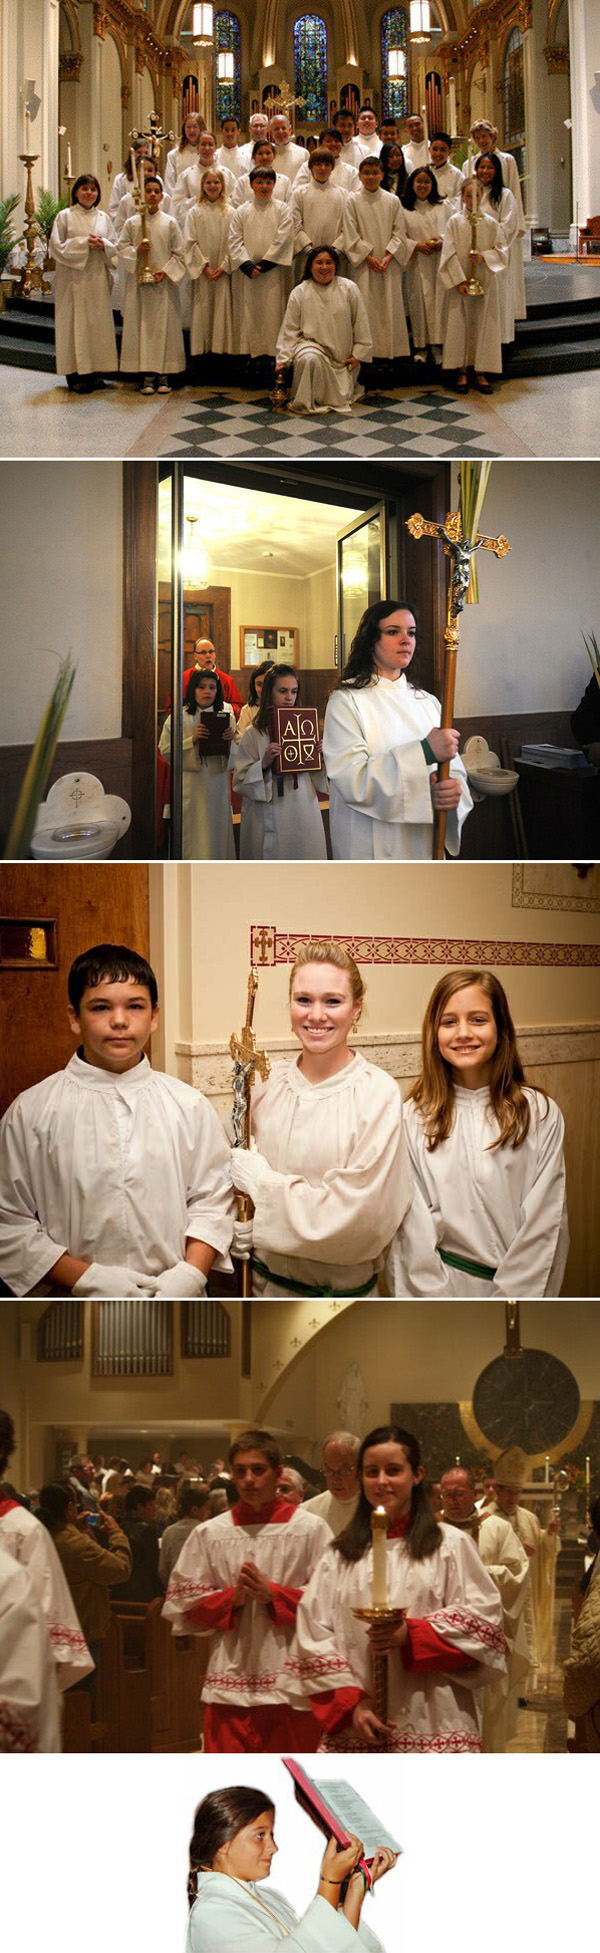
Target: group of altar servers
{"x": 120, "y": 1180}
{"x": 319, "y": 262}
{"x": 281, "y": 1588}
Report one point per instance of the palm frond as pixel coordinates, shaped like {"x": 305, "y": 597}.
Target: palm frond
{"x": 36, "y": 777}
{"x": 593, "y": 652}
{"x": 474, "y": 481}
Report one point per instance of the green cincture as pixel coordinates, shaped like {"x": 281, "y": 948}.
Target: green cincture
{"x": 302, "y": 1288}
{"x": 467, "y": 1267}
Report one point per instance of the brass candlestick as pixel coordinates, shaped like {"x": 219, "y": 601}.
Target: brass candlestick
{"x": 278, "y": 398}
{"x": 388, "y": 1617}
{"x": 31, "y": 278}
{"x": 247, "y": 1061}
{"x": 144, "y": 275}
{"x": 475, "y": 289}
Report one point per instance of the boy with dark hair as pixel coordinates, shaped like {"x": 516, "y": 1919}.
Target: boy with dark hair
{"x": 114, "y": 1178}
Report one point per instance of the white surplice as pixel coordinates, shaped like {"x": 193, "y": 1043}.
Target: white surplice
{"x": 429, "y": 1709}
{"x": 472, "y": 326}
{"x": 85, "y": 334}
{"x": 274, "y": 826}
{"x": 504, "y": 1208}
{"x": 29, "y": 1699}
{"x": 231, "y": 1915}
{"x": 424, "y": 295}
{"x": 206, "y": 242}
{"x": 207, "y": 819}
{"x": 379, "y": 779}
{"x": 152, "y": 336}
{"x": 246, "y": 1661}
{"x": 114, "y": 1168}
{"x": 318, "y": 213}
{"x": 261, "y": 231}
{"x": 374, "y": 222}
{"x": 340, "y": 1183}
{"x": 324, "y": 326}
{"x": 29, "y": 1542}
{"x": 508, "y": 1565}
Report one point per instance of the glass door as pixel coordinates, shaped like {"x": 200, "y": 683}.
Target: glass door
{"x": 361, "y": 572}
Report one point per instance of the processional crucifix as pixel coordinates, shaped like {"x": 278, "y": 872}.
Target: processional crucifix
{"x": 247, "y": 1061}
{"x": 462, "y": 549}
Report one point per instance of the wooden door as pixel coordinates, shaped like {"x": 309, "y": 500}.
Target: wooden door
{"x": 89, "y": 903}
{"x": 206, "y": 613}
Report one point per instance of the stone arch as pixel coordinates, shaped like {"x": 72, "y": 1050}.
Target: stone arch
{"x": 288, "y": 1350}
{"x": 69, "y": 21}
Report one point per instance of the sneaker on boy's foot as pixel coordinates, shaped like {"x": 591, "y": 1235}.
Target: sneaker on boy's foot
{"x": 147, "y": 385}
{"x": 163, "y": 385}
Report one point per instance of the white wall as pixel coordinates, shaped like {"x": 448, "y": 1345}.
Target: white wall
{"x": 521, "y": 648}
{"x": 257, "y": 598}
{"x": 61, "y": 553}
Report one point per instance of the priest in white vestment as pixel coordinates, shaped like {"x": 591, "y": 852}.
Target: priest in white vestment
{"x": 503, "y": 1555}
{"x": 381, "y": 744}
{"x": 29, "y": 1699}
{"x": 542, "y": 1547}
{"x": 337, "y": 1504}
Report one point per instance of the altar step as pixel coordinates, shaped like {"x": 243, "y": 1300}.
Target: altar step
{"x": 559, "y": 335}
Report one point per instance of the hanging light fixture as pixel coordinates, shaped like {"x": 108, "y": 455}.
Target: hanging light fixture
{"x": 420, "y": 20}
{"x": 202, "y": 25}
{"x": 225, "y": 74}
{"x": 194, "y": 561}
{"x": 397, "y": 64}
{"x": 355, "y": 576}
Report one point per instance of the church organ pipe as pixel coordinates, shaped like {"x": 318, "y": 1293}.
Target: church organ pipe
{"x": 206, "y": 1329}
{"x": 177, "y": 541}
{"x": 134, "y": 1338}
{"x": 60, "y": 1333}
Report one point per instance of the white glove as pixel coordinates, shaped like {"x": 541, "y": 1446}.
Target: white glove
{"x": 182, "y": 1279}
{"x": 250, "y": 1172}
{"x": 99, "y": 1280}
{"x": 241, "y": 1246}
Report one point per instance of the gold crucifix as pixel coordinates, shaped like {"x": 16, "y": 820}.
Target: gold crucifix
{"x": 247, "y": 1061}
{"x": 461, "y": 550}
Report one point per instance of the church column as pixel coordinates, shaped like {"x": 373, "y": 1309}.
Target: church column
{"x": 29, "y": 52}
{"x": 535, "y": 160}
{"x": 94, "y": 133}
{"x": 584, "y": 37}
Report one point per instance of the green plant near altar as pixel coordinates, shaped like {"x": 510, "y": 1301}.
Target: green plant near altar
{"x": 46, "y": 211}
{"x": 8, "y": 237}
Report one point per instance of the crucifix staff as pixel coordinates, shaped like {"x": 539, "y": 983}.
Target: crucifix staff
{"x": 247, "y": 1061}
{"x": 461, "y": 550}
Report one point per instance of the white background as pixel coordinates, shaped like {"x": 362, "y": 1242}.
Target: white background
{"x": 498, "y": 1853}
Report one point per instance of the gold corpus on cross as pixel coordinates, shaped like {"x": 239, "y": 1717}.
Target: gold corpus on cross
{"x": 460, "y": 550}
{"x": 247, "y": 1061}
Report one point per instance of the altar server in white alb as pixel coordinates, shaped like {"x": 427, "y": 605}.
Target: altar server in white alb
{"x": 22, "y": 1535}
{"x": 207, "y": 819}
{"x": 113, "y": 1177}
{"x": 381, "y": 743}
{"x": 185, "y": 153}
{"x": 472, "y": 324}
{"x": 325, "y": 337}
{"x": 328, "y": 1173}
{"x": 29, "y": 1699}
{"x": 448, "y": 1645}
{"x": 489, "y": 1215}
{"x": 206, "y": 254}
{"x": 542, "y": 1546}
{"x": 507, "y": 1563}
{"x": 485, "y": 136}
{"x": 239, "y": 1579}
{"x": 425, "y": 216}
{"x": 231, "y": 1852}
{"x": 376, "y": 248}
{"x": 83, "y": 245}
{"x": 318, "y": 209}
{"x": 501, "y": 204}
{"x": 281, "y": 817}
{"x": 152, "y": 341}
{"x": 260, "y": 248}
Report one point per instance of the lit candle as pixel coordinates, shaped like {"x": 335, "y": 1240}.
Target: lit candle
{"x": 470, "y": 157}
{"x": 424, "y": 115}
{"x": 134, "y": 174}
{"x": 547, "y": 1469}
{"x": 452, "y": 97}
{"x": 69, "y": 170}
{"x": 27, "y": 127}
{"x": 587, "y": 1478}
{"x": 379, "y": 1529}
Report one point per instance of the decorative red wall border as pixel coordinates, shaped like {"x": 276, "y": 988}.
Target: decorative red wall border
{"x": 270, "y": 946}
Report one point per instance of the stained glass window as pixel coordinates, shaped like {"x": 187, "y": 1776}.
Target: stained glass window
{"x": 394, "y": 93}
{"x": 228, "y": 40}
{"x": 310, "y": 67}
{"x": 513, "y": 89}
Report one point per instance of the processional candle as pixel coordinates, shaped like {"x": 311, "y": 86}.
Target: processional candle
{"x": 379, "y": 1531}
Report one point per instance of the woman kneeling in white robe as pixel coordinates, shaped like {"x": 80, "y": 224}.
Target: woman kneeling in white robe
{"x": 207, "y": 819}
{"x": 281, "y": 817}
{"x": 472, "y": 327}
{"x": 381, "y": 741}
{"x": 327, "y": 1174}
{"x": 489, "y": 1214}
{"x": 325, "y": 335}
{"x": 448, "y": 1643}
{"x": 83, "y": 245}
{"x": 231, "y": 1852}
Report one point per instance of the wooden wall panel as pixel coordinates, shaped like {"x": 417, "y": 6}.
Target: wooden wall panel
{"x": 91, "y": 902}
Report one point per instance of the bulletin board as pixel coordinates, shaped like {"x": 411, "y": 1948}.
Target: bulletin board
{"x": 258, "y": 641}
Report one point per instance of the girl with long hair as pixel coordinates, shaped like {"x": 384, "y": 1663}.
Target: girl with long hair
{"x": 324, "y": 336}
{"x": 206, "y": 254}
{"x": 500, "y": 203}
{"x": 327, "y": 1174}
{"x": 472, "y": 324}
{"x": 281, "y": 818}
{"x": 426, "y": 214}
{"x": 249, "y": 710}
{"x": 381, "y": 743}
{"x": 207, "y": 821}
{"x": 83, "y": 245}
{"x": 489, "y": 1213}
{"x": 185, "y": 153}
{"x": 231, "y": 1852}
{"x": 448, "y": 1643}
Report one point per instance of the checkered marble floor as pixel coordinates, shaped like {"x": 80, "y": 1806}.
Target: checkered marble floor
{"x": 430, "y": 422}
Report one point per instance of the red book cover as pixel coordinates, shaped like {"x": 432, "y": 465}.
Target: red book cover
{"x": 295, "y": 728}
{"x": 313, "y": 1798}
